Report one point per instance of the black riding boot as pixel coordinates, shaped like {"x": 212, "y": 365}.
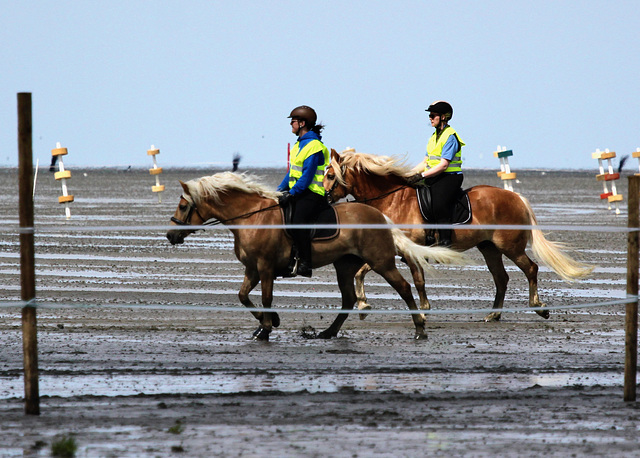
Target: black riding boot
{"x": 304, "y": 262}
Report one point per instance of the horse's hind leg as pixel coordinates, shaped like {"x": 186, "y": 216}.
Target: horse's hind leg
{"x": 361, "y": 296}
{"x": 493, "y": 258}
{"x": 346, "y": 268}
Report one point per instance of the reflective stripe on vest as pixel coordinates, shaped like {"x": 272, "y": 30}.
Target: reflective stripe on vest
{"x": 297, "y": 162}
{"x": 434, "y": 151}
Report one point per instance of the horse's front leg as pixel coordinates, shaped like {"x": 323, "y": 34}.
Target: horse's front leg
{"x": 251, "y": 279}
{"x": 269, "y": 319}
{"x": 493, "y": 258}
{"x": 361, "y": 297}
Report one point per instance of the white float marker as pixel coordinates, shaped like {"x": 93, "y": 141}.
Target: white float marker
{"x": 156, "y": 171}
{"x": 35, "y": 180}
{"x": 611, "y": 196}
{"x": 505, "y": 173}
{"x": 63, "y": 175}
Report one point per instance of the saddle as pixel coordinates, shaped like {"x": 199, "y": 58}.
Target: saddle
{"x": 462, "y": 210}
{"x": 327, "y": 216}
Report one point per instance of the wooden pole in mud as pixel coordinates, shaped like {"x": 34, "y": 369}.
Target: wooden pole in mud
{"x": 27, "y": 256}
{"x": 631, "y": 319}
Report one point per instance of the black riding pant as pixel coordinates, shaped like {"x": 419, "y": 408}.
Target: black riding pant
{"x": 306, "y": 208}
{"x": 444, "y": 190}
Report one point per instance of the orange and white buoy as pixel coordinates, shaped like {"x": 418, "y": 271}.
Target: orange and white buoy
{"x": 505, "y": 173}
{"x": 63, "y": 175}
{"x": 608, "y": 176}
{"x": 153, "y": 152}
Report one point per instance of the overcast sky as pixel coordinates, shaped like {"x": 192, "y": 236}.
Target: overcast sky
{"x": 202, "y": 80}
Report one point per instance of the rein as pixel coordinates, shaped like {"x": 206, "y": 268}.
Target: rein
{"x": 383, "y": 195}
{"x": 214, "y": 222}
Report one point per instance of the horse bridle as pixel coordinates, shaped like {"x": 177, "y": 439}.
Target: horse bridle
{"x": 335, "y": 183}
{"x": 187, "y": 220}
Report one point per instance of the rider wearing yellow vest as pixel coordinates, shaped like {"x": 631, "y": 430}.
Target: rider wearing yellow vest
{"x": 442, "y": 167}
{"x": 302, "y": 186}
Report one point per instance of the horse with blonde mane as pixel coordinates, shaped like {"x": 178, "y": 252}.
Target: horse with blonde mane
{"x": 239, "y": 200}
{"x": 381, "y": 182}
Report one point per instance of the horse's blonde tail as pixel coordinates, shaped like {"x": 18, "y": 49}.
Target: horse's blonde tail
{"x": 421, "y": 254}
{"x": 551, "y": 254}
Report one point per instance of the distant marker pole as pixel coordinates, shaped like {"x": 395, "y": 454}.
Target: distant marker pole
{"x": 608, "y": 176}
{"x": 636, "y": 154}
{"x": 505, "y": 173}
{"x": 35, "y": 179}
{"x": 153, "y": 152}
{"x": 63, "y": 175}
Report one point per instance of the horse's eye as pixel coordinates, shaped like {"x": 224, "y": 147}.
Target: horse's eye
{"x": 182, "y": 207}
{"x": 331, "y": 176}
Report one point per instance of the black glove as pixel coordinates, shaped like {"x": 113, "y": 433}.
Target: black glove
{"x": 415, "y": 179}
{"x": 284, "y": 199}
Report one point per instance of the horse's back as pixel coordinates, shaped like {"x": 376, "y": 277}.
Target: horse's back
{"x": 493, "y": 205}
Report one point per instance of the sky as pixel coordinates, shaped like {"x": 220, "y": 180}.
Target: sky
{"x": 204, "y": 80}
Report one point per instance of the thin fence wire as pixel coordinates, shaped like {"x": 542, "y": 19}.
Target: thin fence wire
{"x": 211, "y": 308}
{"x": 72, "y": 228}
{"x": 29, "y": 230}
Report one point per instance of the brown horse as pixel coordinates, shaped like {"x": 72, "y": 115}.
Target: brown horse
{"x": 380, "y": 181}
{"x": 235, "y": 199}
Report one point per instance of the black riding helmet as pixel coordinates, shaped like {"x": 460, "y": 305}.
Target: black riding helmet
{"x": 306, "y": 114}
{"x": 442, "y": 108}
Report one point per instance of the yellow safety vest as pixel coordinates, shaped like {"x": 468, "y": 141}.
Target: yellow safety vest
{"x": 434, "y": 151}
{"x": 297, "y": 160}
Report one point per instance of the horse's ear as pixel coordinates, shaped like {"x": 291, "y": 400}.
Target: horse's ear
{"x": 334, "y": 155}
{"x": 185, "y": 188}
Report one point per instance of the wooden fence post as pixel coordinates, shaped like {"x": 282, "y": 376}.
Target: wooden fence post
{"x": 27, "y": 256}
{"x": 631, "y": 319}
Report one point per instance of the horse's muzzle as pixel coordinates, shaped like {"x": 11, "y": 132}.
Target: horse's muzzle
{"x": 176, "y": 237}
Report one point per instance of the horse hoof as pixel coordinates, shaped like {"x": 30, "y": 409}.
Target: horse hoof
{"x": 324, "y": 335}
{"x": 543, "y": 313}
{"x": 364, "y": 307}
{"x": 275, "y": 319}
{"x": 420, "y": 336}
{"x": 495, "y": 316}
{"x": 261, "y": 334}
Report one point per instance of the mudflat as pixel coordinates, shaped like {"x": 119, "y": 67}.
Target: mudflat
{"x": 136, "y": 359}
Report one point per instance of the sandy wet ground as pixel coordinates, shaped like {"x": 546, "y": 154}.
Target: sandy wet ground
{"x": 130, "y": 344}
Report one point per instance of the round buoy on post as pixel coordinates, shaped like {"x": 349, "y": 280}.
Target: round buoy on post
{"x": 153, "y": 152}
{"x": 62, "y": 175}
{"x": 636, "y": 154}
{"x": 608, "y": 176}
{"x": 505, "y": 173}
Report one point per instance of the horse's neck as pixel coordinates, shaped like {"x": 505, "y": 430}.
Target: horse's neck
{"x": 238, "y": 207}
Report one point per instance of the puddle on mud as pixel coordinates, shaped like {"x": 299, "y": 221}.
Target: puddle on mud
{"x": 130, "y": 385}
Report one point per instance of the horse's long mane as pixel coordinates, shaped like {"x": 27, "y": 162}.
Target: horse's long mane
{"x": 369, "y": 163}
{"x": 215, "y": 185}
